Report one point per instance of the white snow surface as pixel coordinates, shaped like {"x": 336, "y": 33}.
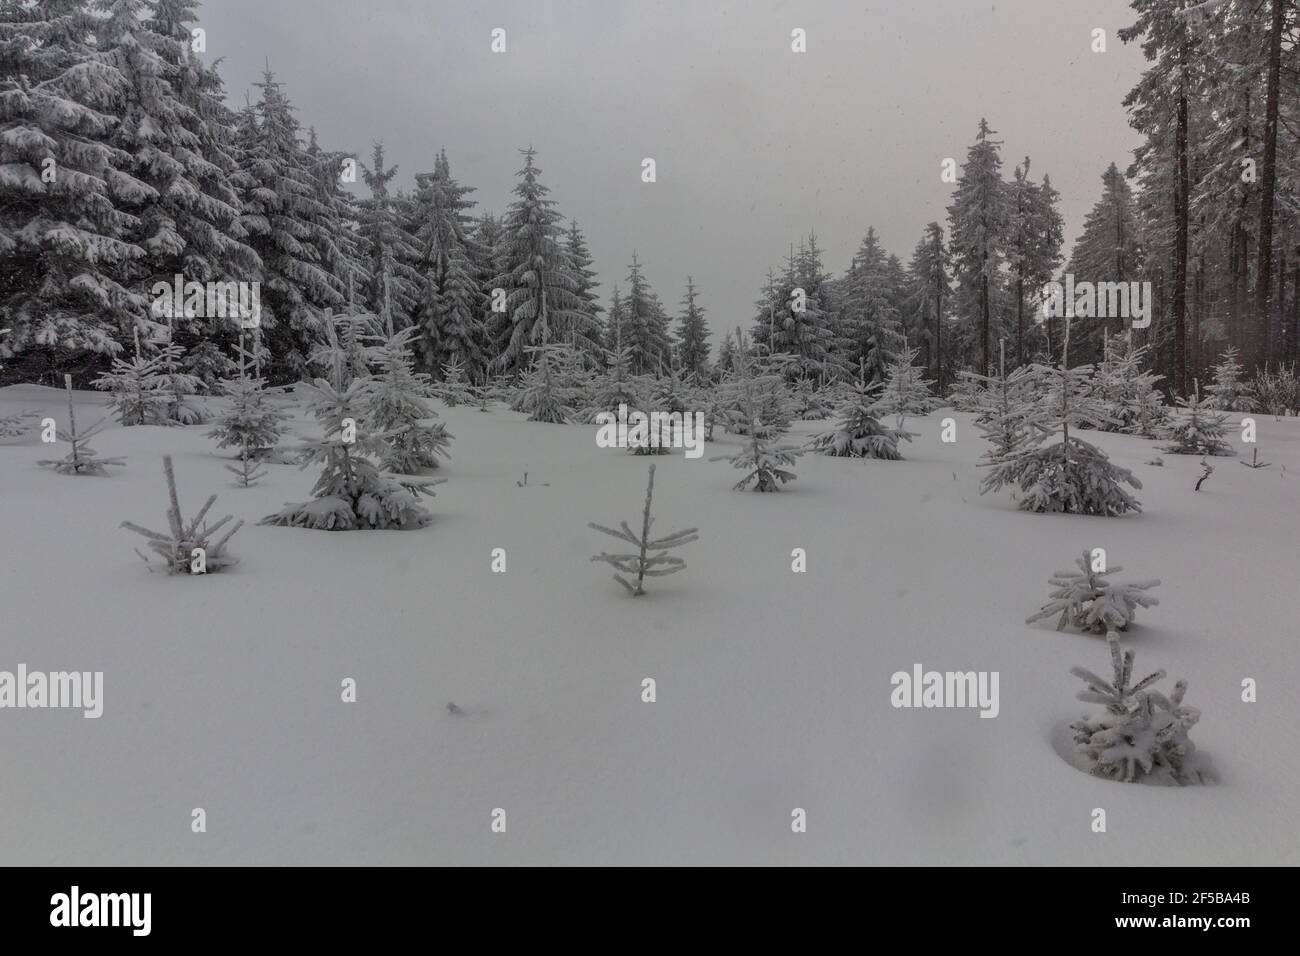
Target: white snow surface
{"x": 224, "y": 691}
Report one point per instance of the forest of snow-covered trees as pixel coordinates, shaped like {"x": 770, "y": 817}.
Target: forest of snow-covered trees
{"x": 125, "y": 162}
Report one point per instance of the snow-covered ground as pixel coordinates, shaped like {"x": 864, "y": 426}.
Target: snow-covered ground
{"x": 773, "y": 688}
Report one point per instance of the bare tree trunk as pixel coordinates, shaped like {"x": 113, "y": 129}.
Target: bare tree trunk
{"x": 1268, "y": 189}
{"x": 1179, "y": 381}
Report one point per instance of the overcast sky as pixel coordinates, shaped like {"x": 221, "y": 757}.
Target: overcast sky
{"x": 755, "y": 145}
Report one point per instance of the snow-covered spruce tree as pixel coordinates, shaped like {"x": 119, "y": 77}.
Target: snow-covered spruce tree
{"x": 454, "y": 389}
{"x": 765, "y": 465}
{"x": 351, "y": 492}
{"x": 860, "y": 433}
{"x": 12, "y": 426}
{"x": 544, "y": 396}
{"x": 613, "y": 387}
{"x": 252, "y": 423}
{"x": 1067, "y": 475}
{"x": 177, "y": 389}
{"x": 666, "y": 396}
{"x": 1133, "y": 403}
{"x": 905, "y": 392}
{"x": 398, "y": 408}
{"x": 82, "y": 460}
{"x": 1003, "y": 404}
{"x": 1230, "y": 392}
{"x": 965, "y": 394}
{"x": 542, "y": 302}
{"x": 1199, "y": 431}
{"x": 693, "y": 335}
{"x": 67, "y": 246}
{"x": 136, "y": 388}
{"x": 187, "y": 548}
{"x": 1086, "y": 601}
{"x": 812, "y": 404}
{"x": 1141, "y": 735}
{"x": 643, "y": 564}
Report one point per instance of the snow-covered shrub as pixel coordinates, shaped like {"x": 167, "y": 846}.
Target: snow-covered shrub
{"x": 860, "y": 433}
{"x": 1085, "y": 600}
{"x": 1278, "y": 393}
{"x": 1141, "y": 735}
{"x": 643, "y": 564}
{"x": 187, "y": 548}
{"x": 82, "y": 460}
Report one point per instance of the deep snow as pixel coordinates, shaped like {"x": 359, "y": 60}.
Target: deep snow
{"x": 223, "y": 691}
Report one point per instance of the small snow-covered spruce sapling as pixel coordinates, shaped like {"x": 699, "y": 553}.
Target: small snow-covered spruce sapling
{"x": 1230, "y": 392}
{"x": 351, "y": 492}
{"x": 82, "y": 460}
{"x": 1199, "y": 431}
{"x": 11, "y": 426}
{"x": 398, "y": 408}
{"x": 764, "y": 464}
{"x": 180, "y": 547}
{"x": 860, "y": 433}
{"x": 454, "y": 389}
{"x": 643, "y": 564}
{"x": 905, "y": 392}
{"x": 1085, "y": 600}
{"x": 543, "y": 394}
{"x": 177, "y": 389}
{"x": 1141, "y": 735}
{"x": 1067, "y": 475}
{"x": 136, "y": 389}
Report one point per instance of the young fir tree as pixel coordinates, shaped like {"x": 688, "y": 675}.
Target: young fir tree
{"x": 67, "y": 242}
{"x": 667, "y": 396}
{"x": 1004, "y": 406}
{"x": 544, "y": 396}
{"x": 1229, "y": 393}
{"x": 905, "y": 392}
{"x": 1141, "y": 735}
{"x": 398, "y": 409}
{"x": 351, "y": 493}
{"x": 1133, "y": 402}
{"x": 693, "y": 336}
{"x": 1067, "y": 475}
{"x": 454, "y": 389}
{"x": 765, "y": 465}
{"x": 177, "y": 389}
{"x": 643, "y": 564}
{"x": 191, "y": 548}
{"x": 1085, "y": 600}
{"x": 252, "y": 423}
{"x": 869, "y": 324}
{"x": 860, "y": 433}
{"x": 137, "y": 389}
{"x": 613, "y": 387}
{"x": 82, "y": 459}
{"x": 1199, "y": 431}
{"x": 540, "y": 285}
